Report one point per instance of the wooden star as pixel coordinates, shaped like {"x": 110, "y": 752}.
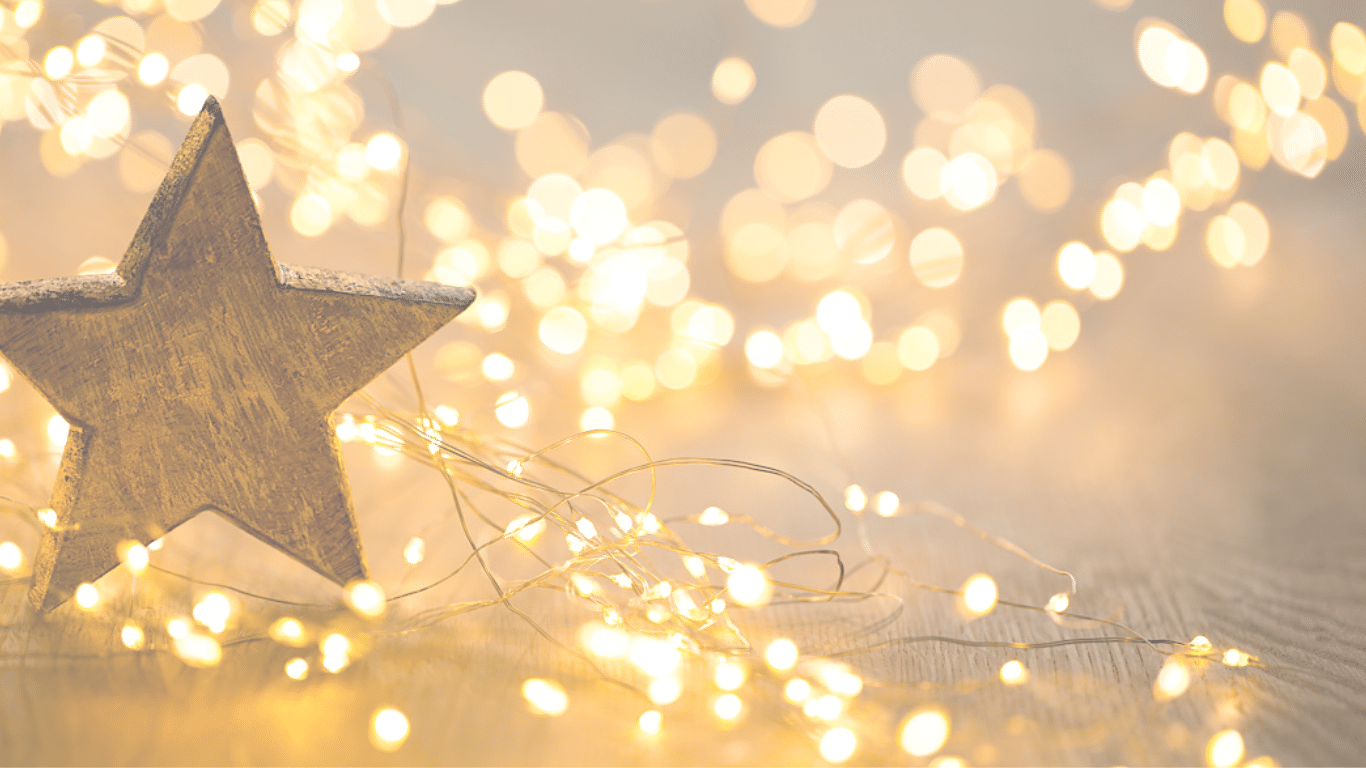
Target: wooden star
{"x": 201, "y": 376}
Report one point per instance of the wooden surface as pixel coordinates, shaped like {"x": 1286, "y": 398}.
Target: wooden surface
{"x": 200, "y": 376}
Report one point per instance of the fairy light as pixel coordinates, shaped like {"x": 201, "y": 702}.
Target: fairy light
{"x": 388, "y": 729}
{"x": 664, "y": 690}
{"x": 7, "y": 448}
{"x": 1236, "y": 658}
{"x": 177, "y": 628}
{"x": 288, "y": 631}
{"x": 383, "y": 151}
{"x": 1172, "y": 681}
{"x": 728, "y": 707}
{"x": 979, "y": 595}
{"x": 1225, "y": 749}
{"x": 886, "y": 503}
{"x": 545, "y": 697}
{"x": 713, "y": 516}
{"x": 749, "y": 586}
{"x": 1013, "y": 672}
{"x": 730, "y": 675}
{"x": 366, "y": 598}
{"x": 58, "y": 430}
{"x": 656, "y": 658}
{"x": 838, "y": 745}
{"x": 797, "y": 690}
{"x": 924, "y": 733}
{"x": 11, "y": 557}
{"x": 414, "y": 551}
{"x": 87, "y": 596}
{"x": 296, "y": 668}
{"x": 336, "y": 650}
{"x": 132, "y": 637}
{"x": 1201, "y": 645}
{"x": 781, "y": 654}
{"x": 855, "y": 500}
{"x": 827, "y": 707}
{"x": 213, "y": 611}
{"x": 197, "y": 650}
{"x": 651, "y": 722}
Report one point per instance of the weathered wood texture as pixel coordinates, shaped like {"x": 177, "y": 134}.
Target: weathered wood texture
{"x": 201, "y": 376}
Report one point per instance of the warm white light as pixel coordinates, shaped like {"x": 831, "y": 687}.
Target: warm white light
{"x": 748, "y": 586}
{"x": 1014, "y": 673}
{"x": 296, "y": 668}
{"x": 132, "y": 636}
{"x": 979, "y": 594}
{"x": 855, "y": 500}
{"x": 383, "y": 152}
{"x": 1172, "y": 681}
{"x": 366, "y": 598}
{"x": 11, "y": 557}
{"x": 728, "y": 707}
{"x": 650, "y": 722}
{"x": 781, "y": 654}
{"x": 886, "y": 503}
{"x": 415, "y": 550}
{"x": 153, "y": 69}
{"x": 191, "y": 99}
{"x": 838, "y": 745}
{"x": 388, "y": 729}
{"x": 546, "y": 697}
{"x": 512, "y": 410}
{"x": 924, "y": 733}
{"x": 1225, "y": 749}
{"x": 87, "y": 597}
{"x": 57, "y": 430}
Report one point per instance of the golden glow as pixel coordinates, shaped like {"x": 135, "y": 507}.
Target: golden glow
{"x": 90, "y": 50}
{"x": 288, "y": 631}
{"x": 1076, "y": 266}
{"x": 728, "y": 707}
{"x": 7, "y": 448}
{"x": 388, "y": 729}
{"x": 447, "y": 219}
{"x": 664, "y": 690}
{"x": 191, "y": 99}
{"x": 781, "y": 654}
{"x": 513, "y": 100}
{"x": 311, "y": 215}
{"x": 198, "y": 650}
{"x": 656, "y": 658}
{"x": 969, "y": 181}
{"x": 936, "y": 257}
{"x": 296, "y": 668}
{"x": 944, "y": 87}
{"x": 733, "y": 80}
{"x": 748, "y": 586}
{"x": 650, "y": 722}
{"x": 730, "y": 675}
{"x": 1298, "y": 143}
{"x": 133, "y": 637}
{"x": 838, "y": 745}
{"x": 791, "y": 167}
{"x": 676, "y": 369}
{"x": 1309, "y": 72}
{"x": 414, "y": 551}
{"x": 366, "y": 598}
{"x": 1280, "y": 89}
{"x": 383, "y": 151}
{"x": 979, "y": 595}
{"x": 1348, "y": 44}
{"x": 177, "y": 628}
{"x": 1014, "y": 673}
{"x": 134, "y": 557}
{"x": 87, "y": 597}
{"x": 498, "y": 367}
{"x": 1170, "y": 60}
{"x": 850, "y": 131}
{"x": 683, "y": 145}
{"x": 1109, "y": 276}
{"x": 1236, "y": 658}
{"x": 1246, "y": 19}
{"x": 1058, "y": 603}
{"x": 1225, "y": 749}
{"x": 855, "y": 500}
{"x": 1045, "y": 180}
{"x": 58, "y": 62}
{"x": 57, "y": 430}
{"x": 1201, "y": 645}
{"x": 1122, "y": 221}
{"x": 512, "y": 410}
{"x": 11, "y": 557}
{"x": 599, "y": 215}
{"x": 153, "y": 69}
{"x": 886, "y": 503}
{"x": 1161, "y": 202}
{"x": 713, "y": 516}
{"x": 48, "y": 517}
{"x": 1172, "y": 680}
{"x": 1060, "y": 324}
{"x": 797, "y": 690}
{"x": 553, "y": 143}
{"x": 924, "y": 733}
{"x": 764, "y": 349}
{"x": 27, "y": 13}
{"x": 781, "y": 13}
{"x": 526, "y": 528}
{"x": 213, "y": 611}
{"x": 827, "y": 707}
{"x": 1028, "y": 348}
{"x": 1020, "y": 313}
{"x": 922, "y": 170}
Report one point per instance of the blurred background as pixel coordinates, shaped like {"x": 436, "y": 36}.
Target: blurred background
{"x": 1085, "y": 272}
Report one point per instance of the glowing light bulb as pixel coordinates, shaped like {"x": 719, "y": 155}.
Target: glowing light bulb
{"x": 924, "y": 733}
{"x": 545, "y": 697}
{"x": 132, "y": 637}
{"x": 296, "y": 668}
{"x": 730, "y": 675}
{"x": 979, "y": 595}
{"x": 1172, "y": 681}
{"x": 87, "y": 597}
{"x": 748, "y": 586}
{"x": 366, "y": 598}
{"x": 855, "y": 500}
{"x": 153, "y": 69}
{"x": 664, "y": 690}
{"x": 288, "y": 631}
{"x": 135, "y": 557}
{"x": 383, "y": 152}
{"x": 797, "y": 690}
{"x": 886, "y": 503}
{"x": 57, "y": 430}
{"x": 1201, "y": 644}
{"x": 728, "y": 707}
{"x": 11, "y": 557}
{"x": 713, "y": 516}
{"x": 1014, "y": 673}
{"x": 838, "y": 745}
{"x": 213, "y": 611}
{"x": 48, "y": 517}
{"x": 388, "y": 729}
{"x": 1058, "y": 603}
{"x": 650, "y": 722}
{"x": 781, "y": 654}
{"x": 415, "y": 550}
{"x": 1225, "y": 749}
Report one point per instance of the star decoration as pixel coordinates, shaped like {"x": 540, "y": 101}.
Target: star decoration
{"x": 201, "y": 376}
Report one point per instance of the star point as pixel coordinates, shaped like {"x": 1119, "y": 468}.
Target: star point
{"x": 201, "y": 375}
